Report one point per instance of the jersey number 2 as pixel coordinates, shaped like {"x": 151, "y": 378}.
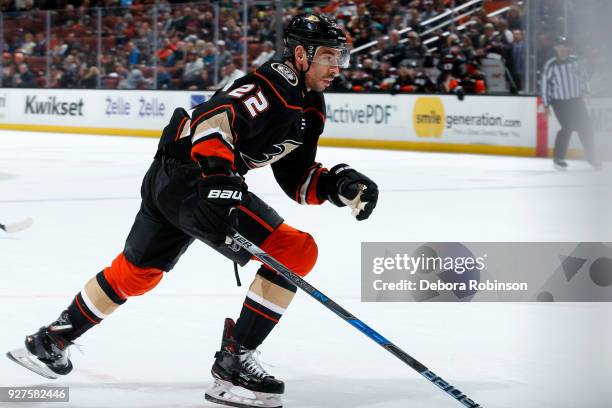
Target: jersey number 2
{"x": 255, "y": 104}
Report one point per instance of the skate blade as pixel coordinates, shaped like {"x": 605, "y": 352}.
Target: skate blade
{"x": 26, "y": 359}
{"x": 18, "y": 226}
{"x": 225, "y": 393}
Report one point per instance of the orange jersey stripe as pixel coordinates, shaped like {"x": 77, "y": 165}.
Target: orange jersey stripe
{"x": 316, "y": 111}
{"x": 180, "y": 128}
{"x": 311, "y": 197}
{"x": 276, "y": 92}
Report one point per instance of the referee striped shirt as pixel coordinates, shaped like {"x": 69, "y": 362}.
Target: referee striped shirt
{"x": 563, "y": 80}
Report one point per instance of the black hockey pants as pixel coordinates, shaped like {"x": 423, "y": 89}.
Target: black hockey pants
{"x": 165, "y": 227}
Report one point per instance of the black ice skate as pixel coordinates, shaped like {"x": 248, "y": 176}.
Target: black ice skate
{"x": 46, "y": 351}
{"x": 239, "y": 379}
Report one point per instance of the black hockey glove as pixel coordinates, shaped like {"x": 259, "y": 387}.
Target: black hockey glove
{"x": 344, "y": 186}
{"x": 219, "y": 195}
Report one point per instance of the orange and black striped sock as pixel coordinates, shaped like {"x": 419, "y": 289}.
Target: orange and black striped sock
{"x": 267, "y": 298}
{"x": 83, "y": 313}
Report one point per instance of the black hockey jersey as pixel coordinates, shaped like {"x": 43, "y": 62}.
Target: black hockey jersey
{"x": 264, "y": 118}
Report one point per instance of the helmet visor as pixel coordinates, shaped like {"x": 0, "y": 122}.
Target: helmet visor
{"x": 334, "y": 57}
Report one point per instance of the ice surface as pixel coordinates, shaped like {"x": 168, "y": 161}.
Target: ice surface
{"x": 156, "y": 351}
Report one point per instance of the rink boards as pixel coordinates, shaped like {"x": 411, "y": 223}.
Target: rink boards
{"x": 442, "y": 123}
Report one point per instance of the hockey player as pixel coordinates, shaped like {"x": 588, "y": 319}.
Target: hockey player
{"x": 195, "y": 189}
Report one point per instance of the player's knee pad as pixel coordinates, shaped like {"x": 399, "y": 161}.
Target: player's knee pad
{"x": 295, "y": 249}
{"x": 127, "y": 279}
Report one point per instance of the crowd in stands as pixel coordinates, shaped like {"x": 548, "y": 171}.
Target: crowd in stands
{"x": 173, "y": 45}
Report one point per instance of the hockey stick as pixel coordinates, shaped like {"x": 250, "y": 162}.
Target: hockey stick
{"x": 355, "y": 322}
{"x": 17, "y": 226}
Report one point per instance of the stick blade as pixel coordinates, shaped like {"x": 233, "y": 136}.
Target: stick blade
{"x": 18, "y": 226}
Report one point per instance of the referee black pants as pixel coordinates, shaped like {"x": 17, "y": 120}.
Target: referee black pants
{"x": 573, "y": 116}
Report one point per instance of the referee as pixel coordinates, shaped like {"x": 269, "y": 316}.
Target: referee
{"x": 564, "y": 85}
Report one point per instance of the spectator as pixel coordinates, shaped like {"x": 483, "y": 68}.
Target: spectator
{"x": 473, "y": 31}
{"x": 406, "y": 75}
{"x": 342, "y": 81}
{"x": 25, "y": 78}
{"x": 134, "y": 80}
{"x": 166, "y": 53}
{"x": 180, "y": 55}
{"x": 210, "y": 55}
{"x": 40, "y": 49}
{"x": 234, "y": 42}
{"x": 412, "y": 19}
{"x": 397, "y": 22}
{"x": 467, "y": 49}
{"x": 72, "y": 44}
{"x": 58, "y": 47}
{"x": 65, "y": 79}
{"x": 8, "y": 76}
{"x": 362, "y": 36}
{"x": 429, "y": 12}
{"x": 144, "y": 37}
{"x": 515, "y": 19}
{"x": 504, "y": 32}
{"x": 192, "y": 69}
{"x": 28, "y": 45}
{"x": 200, "y": 47}
{"x": 206, "y": 22}
{"x": 230, "y": 26}
{"x": 414, "y": 50}
{"x": 13, "y": 44}
{"x": 164, "y": 79}
{"x": 230, "y": 73}
{"x": 385, "y": 76}
{"x": 394, "y": 51}
{"x": 370, "y": 70}
{"x": 423, "y": 83}
{"x": 451, "y": 41}
{"x": 7, "y": 59}
{"x": 488, "y": 36}
{"x": 89, "y": 79}
{"x": 254, "y": 32}
{"x": 203, "y": 81}
{"x": 70, "y": 72}
{"x": 266, "y": 54}
{"x": 517, "y": 59}
{"x": 24, "y": 5}
{"x": 133, "y": 54}
{"x": 224, "y": 57}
